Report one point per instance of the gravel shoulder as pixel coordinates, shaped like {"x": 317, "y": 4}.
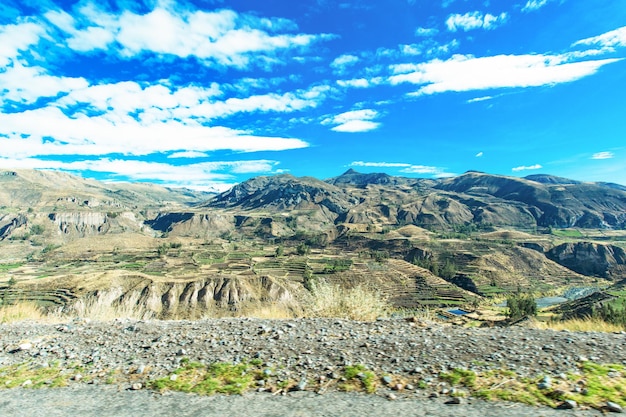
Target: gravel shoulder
{"x": 119, "y": 358}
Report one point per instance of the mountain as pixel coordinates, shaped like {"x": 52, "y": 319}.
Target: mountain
{"x": 284, "y": 192}
{"x": 357, "y": 179}
{"x": 562, "y": 204}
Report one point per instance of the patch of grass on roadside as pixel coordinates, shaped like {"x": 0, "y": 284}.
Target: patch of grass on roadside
{"x": 31, "y": 375}
{"x": 216, "y": 378}
{"x": 359, "y": 378}
{"x": 597, "y": 384}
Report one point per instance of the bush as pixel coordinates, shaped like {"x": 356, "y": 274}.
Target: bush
{"x": 521, "y": 305}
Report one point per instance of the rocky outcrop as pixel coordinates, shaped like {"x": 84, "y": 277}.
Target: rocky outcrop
{"x": 193, "y": 298}
{"x": 590, "y": 258}
{"x": 81, "y": 223}
{"x": 192, "y": 224}
{"x": 9, "y": 223}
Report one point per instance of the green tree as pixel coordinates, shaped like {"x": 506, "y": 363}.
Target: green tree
{"x": 279, "y": 251}
{"x": 521, "y": 305}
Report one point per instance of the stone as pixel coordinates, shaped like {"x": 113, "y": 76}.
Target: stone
{"x": 387, "y": 380}
{"x": 567, "y": 405}
{"x": 25, "y": 346}
{"x": 453, "y": 401}
{"x": 136, "y": 386}
{"x": 613, "y": 407}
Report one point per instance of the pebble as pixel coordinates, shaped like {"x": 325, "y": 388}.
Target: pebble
{"x": 614, "y": 407}
{"x": 567, "y": 405}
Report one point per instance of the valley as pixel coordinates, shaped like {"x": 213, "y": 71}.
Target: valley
{"x": 421, "y": 245}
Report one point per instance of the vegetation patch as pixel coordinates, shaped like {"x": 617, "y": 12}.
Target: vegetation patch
{"x": 359, "y": 378}
{"x": 592, "y": 385}
{"x": 30, "y": 375}
{"x": 9, "y": 266}
{"x": 216, "y": 378}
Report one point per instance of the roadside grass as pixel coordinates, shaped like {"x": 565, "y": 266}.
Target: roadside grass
{"x": 358, "y": 378}
{"x": 31, "y": 375}
{"x": 21, "y": 311}
{"x": 588, "y": 324}
{"x": 216, "y": 378}
{"x": 591, "y": 385}
{"x": 357, "y": 303}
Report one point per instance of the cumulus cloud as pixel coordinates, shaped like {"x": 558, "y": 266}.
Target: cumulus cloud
{"x": 354, "y": 121}
{"x": 223, "y": 37}
{"x": 479, "y": 155}
{"x": 467, "y": 73}
{"x": 15, "y": 39}
{"x": 526, "y": 168}
{"x": 341, "y": 63}
{"x": 603, "y": 155}
{"x": 474, "y": 20}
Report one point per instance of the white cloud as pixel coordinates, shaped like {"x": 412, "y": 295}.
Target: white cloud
{"x": 222, "y": 37}
{"x": 603, "y": 155}
{"x": 26, "y": 85}
{"x": 355, "y": 83}
{"x": 356, "y": 126}
{"x": 48, "y": 131}
{"x": 406, "y": 168}
{"x": 342, "y": 62}
{"x": 380, "y": 164}
{"x": 421, "y": 169}
{"x": 532, "y": 5}
{"x": 188, "y": 154}
{"x": 17, "y": 38}
{"x": 479, "y": 99}
{"x": 474, "y": 20}
{"x": 426, "y": 32}
{"x": 212, "y": 176}
{"x": 527, "y": 168}
{"x": 610, "y": 39}
{"x": 467, "y": 73}
{"x": 354, "y": 121}
{"x": 479, "y": 155}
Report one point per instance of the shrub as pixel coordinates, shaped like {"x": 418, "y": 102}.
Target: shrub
{"x": 521, "y": 305}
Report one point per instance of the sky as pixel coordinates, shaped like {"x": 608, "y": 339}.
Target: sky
{"x": 206, "y": 94}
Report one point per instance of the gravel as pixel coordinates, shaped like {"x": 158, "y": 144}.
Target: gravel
{"x": 301, "y": 350}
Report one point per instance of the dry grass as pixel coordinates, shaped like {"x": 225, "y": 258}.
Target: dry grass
{"x": 21, "y": 311}
{"x": 358, "y": 303}
{"x": 580, "y": 325}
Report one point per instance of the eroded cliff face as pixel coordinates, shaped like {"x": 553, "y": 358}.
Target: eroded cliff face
{"x": 607, "y": 261}
{"x": 193, "y": 224}
{"x": 191, "y": 298}
{"x": 81, "y": 223}
{"x": 9, "y": 223}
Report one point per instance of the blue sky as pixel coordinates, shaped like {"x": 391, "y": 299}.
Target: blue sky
{"x": 206, "y": 94}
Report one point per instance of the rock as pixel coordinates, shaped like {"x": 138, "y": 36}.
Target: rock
{"x": 173, "y": 377}
{"x": 613, "y": 407}
{"x": 136, "y": 386}
{"x": 387, "y": 380}
{"x": 453, "y": 401}
{"x": 25, "y": 346}
{"x": 391, "y": 396}
{"x": 567, "y": 405}
{"x": 433, "y": 395}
